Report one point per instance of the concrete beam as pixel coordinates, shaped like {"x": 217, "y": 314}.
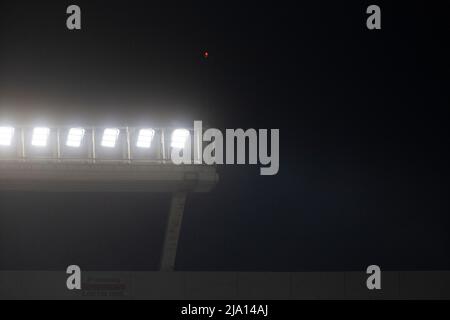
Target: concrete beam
{"x": 225, "y": 285}
{"x": 172, "y": 234}
{"x": 79, "y": 176}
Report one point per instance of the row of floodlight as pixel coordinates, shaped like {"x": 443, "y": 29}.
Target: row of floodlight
{"x": 75, "y": 137}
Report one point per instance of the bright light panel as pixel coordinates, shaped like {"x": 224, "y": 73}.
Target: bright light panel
{"x": 6, "y": 135}
{"x": 145, "y": 138}
{"x": 110, "y": 136}
{"x": 179, "y": 138}
{"x": 75, "y": 137}
{"x": 40, "y": 137}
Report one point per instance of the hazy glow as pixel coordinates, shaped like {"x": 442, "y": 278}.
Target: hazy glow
{"x": 110, "y": 137}
{"x": 40, "y": 137}
{"x": 179, "y": 138}
{"x": 6, "y": 135}
{"x": 145, "y": 138}
{"x": 75, "y": 137}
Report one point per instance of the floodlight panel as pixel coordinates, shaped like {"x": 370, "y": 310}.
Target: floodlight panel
{"x": 6, "y": 135}
{"x": 145, "y": 138}
{"x": 110, "y": 137}
{"x": 179, "y": 138}
{"x": 40, "y": 136}
{"x": 75, "y": 137}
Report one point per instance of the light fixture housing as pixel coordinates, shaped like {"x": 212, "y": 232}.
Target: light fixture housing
{"x": 145, "y": 138}
{"x": 6, "y": 135}
{"x": 40, "y": 136}
{"x": 75, "y": 137}
{"x": 179, "y": 138}
{"x": 110, "y": 136}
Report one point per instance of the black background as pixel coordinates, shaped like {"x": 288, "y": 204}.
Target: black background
{"x": 363, "y": 118}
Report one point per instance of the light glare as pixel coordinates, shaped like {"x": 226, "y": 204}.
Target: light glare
{"x": 40, "y": 137}
{"x": 179, "y": 138}
{"x": 75, "y": 137}
{"x": 6, "y": 135}
{"x": 110, "y": 136}
{"x": 145, "y": 138}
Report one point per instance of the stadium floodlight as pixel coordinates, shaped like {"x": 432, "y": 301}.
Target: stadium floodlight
{"x": 6, "y": 135}
{"x": 145, "y": 138}
{"x": 40, "y": 136}
{"x": 110, "y": 136}
{"x": 179, "y": 138}
{"x": 75, "y": 137}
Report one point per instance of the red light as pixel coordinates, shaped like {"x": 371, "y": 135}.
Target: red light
{"x": 206, "y": 54}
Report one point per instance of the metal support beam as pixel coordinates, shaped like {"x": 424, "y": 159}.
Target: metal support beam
{"x": 163, "y": 146}
{"x": 23, "y": 154}
{"x": 172, "y": 235}
{"x": 128, "y": 144}
{"x": 58, "y": 144}
{"x": 94, "y": 155}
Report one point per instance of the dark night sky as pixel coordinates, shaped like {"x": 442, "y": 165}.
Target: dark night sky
{"x": 364, "y": 175}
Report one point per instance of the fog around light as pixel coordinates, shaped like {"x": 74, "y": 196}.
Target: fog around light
{"x": 179, "y": 138}
{"x": 145, "y": 138}
{"x": 40, "y": 136}
{"x": 6, "y": 135}
{"x": 75, "y": 137}
{"x": 110, "y": 136}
